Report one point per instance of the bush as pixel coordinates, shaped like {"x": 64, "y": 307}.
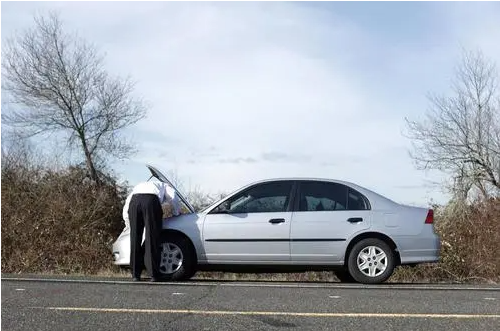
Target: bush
{"x": 57, "y": 221}
{"x": 470, "y": 237}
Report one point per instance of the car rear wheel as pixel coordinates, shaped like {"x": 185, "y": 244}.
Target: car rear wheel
{"x": 177, "y": 260}
{"x": 371, "y": 261}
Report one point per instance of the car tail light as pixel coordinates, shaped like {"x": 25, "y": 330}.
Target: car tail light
{"x": 430, "y": 217}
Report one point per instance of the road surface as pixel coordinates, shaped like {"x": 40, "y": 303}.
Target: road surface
{"x": 42, "y": 304}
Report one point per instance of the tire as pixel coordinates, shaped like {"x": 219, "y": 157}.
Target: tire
{"x": 344, "y": 276}
{"x": 370, "y": 248}
{"x": 176, "y": 248}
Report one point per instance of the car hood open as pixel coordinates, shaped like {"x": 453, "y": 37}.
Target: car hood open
{"x": 158, "y": 175}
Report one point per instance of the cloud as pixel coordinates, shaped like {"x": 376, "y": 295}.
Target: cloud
{"x": 244, "y": 91}
{"x": 267, "y": 157}
{"x": 284, "y": 157}
{"x": 238, "y": 160}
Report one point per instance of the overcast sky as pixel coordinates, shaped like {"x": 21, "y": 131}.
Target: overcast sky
{"x": 245, "y": 91}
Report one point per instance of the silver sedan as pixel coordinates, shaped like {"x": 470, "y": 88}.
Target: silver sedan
{"x": 295, "y": 224}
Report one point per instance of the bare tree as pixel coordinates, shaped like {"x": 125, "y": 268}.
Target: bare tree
{"x": 59, "y": 83}
{"x": 461, "y": 133}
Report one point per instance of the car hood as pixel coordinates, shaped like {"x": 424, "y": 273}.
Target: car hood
{"x": 161, "y": 177}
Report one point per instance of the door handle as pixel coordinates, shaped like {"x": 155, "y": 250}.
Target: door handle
{"x": 355, "y": 220}
{"x": 277, "y": 220}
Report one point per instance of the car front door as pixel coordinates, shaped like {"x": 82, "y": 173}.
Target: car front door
{"x": 251, "y": 226}
{"x": 326, "y": 215}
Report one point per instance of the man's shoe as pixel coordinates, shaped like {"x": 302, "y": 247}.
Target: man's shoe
{"x": 136, "y": 279}
{"x": 154, "y": 279}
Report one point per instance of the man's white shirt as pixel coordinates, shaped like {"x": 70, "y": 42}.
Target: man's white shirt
{"x": 164, "y": 192}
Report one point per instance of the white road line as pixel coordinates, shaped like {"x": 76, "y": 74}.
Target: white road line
{"x": 489, "y": 299}
{"x": 269, "y": 313}
{"x": 387, "y": 286}
{"x": 20, "y": 289}
{"x": 177, "y": 293}
{"x": 334, "y": 296}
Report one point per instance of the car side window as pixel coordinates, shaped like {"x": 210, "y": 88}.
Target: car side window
{"x": 321, "y": 196}
{"x": 356, "y": 201}
{"x": 262, "y": 198}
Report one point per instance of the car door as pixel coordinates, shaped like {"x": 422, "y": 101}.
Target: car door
{"x": 326, "y": 215}
{"x": 251, "y": 226}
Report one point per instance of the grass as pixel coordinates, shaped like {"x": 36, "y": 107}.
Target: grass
{"x": 423, "y": 274}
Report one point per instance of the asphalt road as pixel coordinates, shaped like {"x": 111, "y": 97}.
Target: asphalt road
{"x": 30, "y": 304}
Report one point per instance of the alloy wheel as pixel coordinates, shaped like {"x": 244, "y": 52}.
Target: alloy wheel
{"x": 171, "y": 258}
{"x": 372, "y": 261}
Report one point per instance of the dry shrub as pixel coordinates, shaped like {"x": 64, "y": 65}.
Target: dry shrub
{"x": 57, "y": 221}
{"x": 310, "y": 276}
{"x": 470, "y": 237}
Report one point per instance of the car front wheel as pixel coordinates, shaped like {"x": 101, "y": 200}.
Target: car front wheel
{"x": 371, "y": 261}
{"x": 176, "y": 258}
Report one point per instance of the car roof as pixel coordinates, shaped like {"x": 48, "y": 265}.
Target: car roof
{"x": 299, "y": 179}
{"x": 318, "y": 179}
{"x": 376, "y": 200}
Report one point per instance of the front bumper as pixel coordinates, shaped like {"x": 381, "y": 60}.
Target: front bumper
{"x": 121, "y": 249}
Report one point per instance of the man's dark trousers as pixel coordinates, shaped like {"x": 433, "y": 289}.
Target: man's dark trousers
{"x": 145, "y": 211}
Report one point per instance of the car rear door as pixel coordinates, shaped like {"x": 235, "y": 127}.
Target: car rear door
{"x": 251, "y": 226}
{"x": 326, "y": 214}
